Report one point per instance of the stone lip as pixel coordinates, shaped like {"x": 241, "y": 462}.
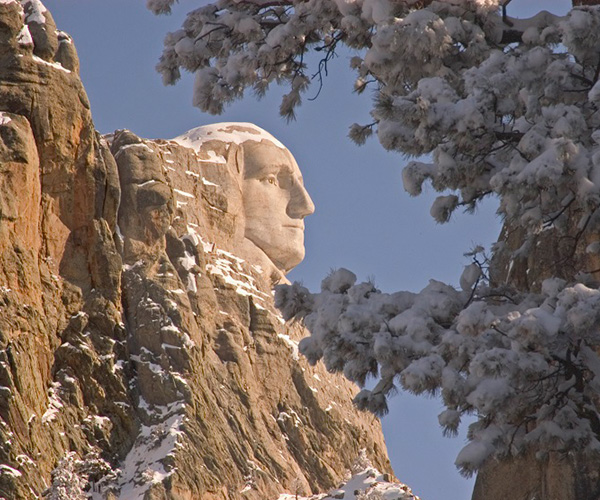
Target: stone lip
{"x": 365, "y": 481}
{"x": 141, "y": 355}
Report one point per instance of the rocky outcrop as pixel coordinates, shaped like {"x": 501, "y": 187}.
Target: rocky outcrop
{"x": 59, "y": 268}
{"x": 554, "y": 475}
{"x": 140, "y": 352}
{"x": 215, "y": 364}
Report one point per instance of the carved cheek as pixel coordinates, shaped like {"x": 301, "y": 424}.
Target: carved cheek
{"x": 262, "y": 196}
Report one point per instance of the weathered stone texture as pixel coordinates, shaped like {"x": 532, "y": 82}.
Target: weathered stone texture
{"x": 258, "y": 420}
{"x": 134, "y": 335}
{"x": 59, "y": 302}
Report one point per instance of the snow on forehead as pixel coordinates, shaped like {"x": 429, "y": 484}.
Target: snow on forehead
{"x": 225, "y": 132}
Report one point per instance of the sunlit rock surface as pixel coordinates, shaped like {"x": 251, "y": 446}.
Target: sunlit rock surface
{"x": 141, "y": 355}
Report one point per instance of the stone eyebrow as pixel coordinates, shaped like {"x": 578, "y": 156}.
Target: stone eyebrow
{"x": 273, "y": 168}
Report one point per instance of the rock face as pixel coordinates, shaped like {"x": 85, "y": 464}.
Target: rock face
{"x": 556, "y": 476}
{"x": 141, "y": 355}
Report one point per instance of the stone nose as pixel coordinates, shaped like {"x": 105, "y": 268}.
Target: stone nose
{"x": 300, "y": 204}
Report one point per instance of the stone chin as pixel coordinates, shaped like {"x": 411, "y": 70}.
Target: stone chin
{"x": 284, "y": 256}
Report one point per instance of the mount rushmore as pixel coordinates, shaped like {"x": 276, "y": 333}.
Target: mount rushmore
{"x": 141, "y": 355}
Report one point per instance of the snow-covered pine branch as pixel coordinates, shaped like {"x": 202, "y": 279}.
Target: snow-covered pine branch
{"x": 526, "y": 365}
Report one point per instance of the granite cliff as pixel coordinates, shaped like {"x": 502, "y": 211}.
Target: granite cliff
{"x": 141, "y": 355}
{"x": 555, "y": 475}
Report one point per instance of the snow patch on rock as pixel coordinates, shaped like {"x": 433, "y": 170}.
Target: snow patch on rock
{"x": 228, "y": 132}
{"x": 364, "y": 483}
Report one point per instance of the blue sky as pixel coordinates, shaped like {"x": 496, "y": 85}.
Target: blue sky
{"x": 364, "y": 221}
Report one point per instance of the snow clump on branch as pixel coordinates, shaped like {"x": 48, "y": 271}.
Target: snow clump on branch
{"x": 526, "y": 366}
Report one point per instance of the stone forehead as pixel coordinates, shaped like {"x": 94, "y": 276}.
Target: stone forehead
{"x": 261, "y": 157}
{"x": 228, "y": 132}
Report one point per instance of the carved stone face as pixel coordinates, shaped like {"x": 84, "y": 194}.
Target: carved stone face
{"x": 275, "y": 203}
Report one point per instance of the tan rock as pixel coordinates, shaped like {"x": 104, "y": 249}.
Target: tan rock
{"x": 140, "y": 352}
{"x": 556, "y": 476}
{"x": 258, "y": 419}
{"x": 58, "y": 284}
